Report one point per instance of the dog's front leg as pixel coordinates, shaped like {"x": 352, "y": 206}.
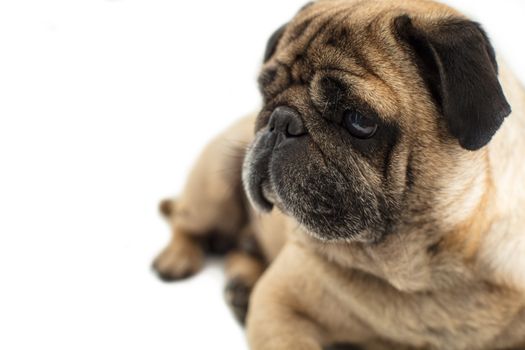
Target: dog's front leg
{"x": 276, "y": 326}
{"x": 279, "y": 315}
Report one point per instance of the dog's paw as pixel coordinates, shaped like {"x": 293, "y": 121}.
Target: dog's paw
{"x": 167, "y": 208}
{"x": 178, "y": 262}
{"x": 237, "y": 294}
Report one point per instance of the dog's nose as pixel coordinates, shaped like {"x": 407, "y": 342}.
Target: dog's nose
{"x": 287, "y": 121}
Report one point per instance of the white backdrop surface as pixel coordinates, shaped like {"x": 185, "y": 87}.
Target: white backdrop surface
{"x": 104, "y": 106}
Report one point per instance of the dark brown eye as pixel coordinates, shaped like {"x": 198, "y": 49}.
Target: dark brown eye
{"x": 358, "y": 125}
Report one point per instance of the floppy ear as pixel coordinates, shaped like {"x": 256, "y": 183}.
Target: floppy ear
{"x": 271, "y": 46}
{"x": 458, "y": 64}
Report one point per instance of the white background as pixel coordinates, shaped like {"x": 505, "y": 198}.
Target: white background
{"x": 103, "y": 107}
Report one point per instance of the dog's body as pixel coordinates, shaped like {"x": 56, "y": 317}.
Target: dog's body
{"x": 413, "y": 237}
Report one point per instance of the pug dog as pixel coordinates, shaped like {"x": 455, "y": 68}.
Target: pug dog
{"x": 378, "y": 197}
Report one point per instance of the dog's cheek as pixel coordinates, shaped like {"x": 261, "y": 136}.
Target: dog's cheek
{"x": 330, "y": 205}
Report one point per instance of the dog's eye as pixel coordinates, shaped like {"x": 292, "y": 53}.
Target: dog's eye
{"x": 358, "y": 125}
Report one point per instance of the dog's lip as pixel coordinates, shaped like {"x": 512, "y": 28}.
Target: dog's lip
{"x": 267, "y": 192}
{"x": 261, "y": 195}
{"x": 257, "y": 180}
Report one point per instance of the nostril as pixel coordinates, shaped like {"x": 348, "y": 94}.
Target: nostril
{"x": 287, "y": 121}
{"x": 295, "y": 128}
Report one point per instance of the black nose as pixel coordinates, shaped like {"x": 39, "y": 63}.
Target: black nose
{"x": 287, "y": 121}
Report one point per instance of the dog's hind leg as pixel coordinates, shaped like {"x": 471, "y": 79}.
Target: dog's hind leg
{"x": 244, "y": 266}
{"x": 211, "y": 210}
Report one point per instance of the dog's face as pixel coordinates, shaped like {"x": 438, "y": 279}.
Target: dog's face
{"x": 368, "y": 105}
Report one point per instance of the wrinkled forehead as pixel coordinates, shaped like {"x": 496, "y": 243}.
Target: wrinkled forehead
{"x": 351, "y": 26}
{"x": 335, "y": 39}
{"x": 317, "y": 25}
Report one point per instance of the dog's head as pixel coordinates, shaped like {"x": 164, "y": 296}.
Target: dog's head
{"x": 370, "y": 108}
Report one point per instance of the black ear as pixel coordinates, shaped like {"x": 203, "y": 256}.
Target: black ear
{"x": 459, "y": 66}
{"x": 273, "y": 42}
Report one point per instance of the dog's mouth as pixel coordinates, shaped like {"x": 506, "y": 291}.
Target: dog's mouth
{"x": 323, "y": 203}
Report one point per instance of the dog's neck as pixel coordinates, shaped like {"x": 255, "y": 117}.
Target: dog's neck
{"x": 507, "y": 149}
{"x": 406, "y": 261}
{"x": 502, "y": 253}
